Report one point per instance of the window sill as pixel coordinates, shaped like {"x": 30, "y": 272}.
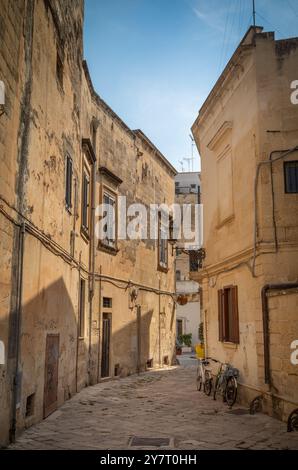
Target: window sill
{"x": 230, "y": 345}
{"x": 107, "y": 249}
{"x": 85, "y": 234}
{"x": 163, "y": 269}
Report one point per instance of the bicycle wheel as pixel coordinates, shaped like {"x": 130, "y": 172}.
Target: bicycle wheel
{"x": 199, "y": 380}
{"x": 216, "y": 388}
{"x": 208, "y": 383}
{"x": 231, "y": 391}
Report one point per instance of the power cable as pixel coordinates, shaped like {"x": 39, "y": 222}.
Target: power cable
{"x": 270, "y": 24}
{"x": 292, "y": 8}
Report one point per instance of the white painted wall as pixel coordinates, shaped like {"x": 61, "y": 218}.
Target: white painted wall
{"x": 190, "y": 314}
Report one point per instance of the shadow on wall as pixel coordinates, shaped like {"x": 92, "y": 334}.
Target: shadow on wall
{"x": 130, "y": 345}
{"x": 54, "y": 362}
{"x": 50, "y": 359}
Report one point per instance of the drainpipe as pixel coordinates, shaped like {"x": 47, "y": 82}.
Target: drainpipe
{"x": 159, "y": 326}
{"x": 138, "y": 339}
{"x": 92, "y": 262}
{"x": 78, "y": 333}
{"x": 16, "y": 379}
{"x": 99, "y": 328}
{"x": 266, "y": 333}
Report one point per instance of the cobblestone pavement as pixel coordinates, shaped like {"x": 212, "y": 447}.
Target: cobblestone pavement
{"x": 160, "y": 404}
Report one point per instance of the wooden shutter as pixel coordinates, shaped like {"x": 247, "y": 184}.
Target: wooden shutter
{"x": 235, "y": 323}
{"x": 220, "y": 315}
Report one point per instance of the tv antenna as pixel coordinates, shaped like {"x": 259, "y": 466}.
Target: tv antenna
{"x": 254, "y": 12}
{"x": 189, "y": 160}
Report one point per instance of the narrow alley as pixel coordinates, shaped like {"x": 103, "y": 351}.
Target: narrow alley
{"x": 156, "y": 410}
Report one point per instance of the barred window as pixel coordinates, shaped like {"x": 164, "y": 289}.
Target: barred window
{"x": 107, "y": 302}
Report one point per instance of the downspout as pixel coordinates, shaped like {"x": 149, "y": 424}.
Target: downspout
{"x": 266, "y": 333}
{"x": 139, "y": 339}
{"x": 78, "y": 333}
{"x": 99, "y": 328}
{"x": 18, "y": 253}
{"x": 16, "y": 379}
{"x": 91, "y": 263}
{"x": 159, "y": 326}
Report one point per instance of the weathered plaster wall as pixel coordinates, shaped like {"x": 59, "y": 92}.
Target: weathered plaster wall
{"x": 254, "y": 98}
{"x": 49, "y": 111}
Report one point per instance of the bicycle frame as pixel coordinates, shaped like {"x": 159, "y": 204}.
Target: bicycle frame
{"x": 202, "y": 369}
{"x": 225, "y": 371}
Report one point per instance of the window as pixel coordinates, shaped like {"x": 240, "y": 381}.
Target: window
{"x": 110, "y": 227}
{"x": 68, "y": 183}
{"x": 291, "y": 176}
{"x": 85, "y": 200}
{"x": 107, "y": 302}
{"x": 81, "y": 328}
{"x": 228, "y": 314}
{"x": 162, "y": 244}
{"x": 178, "y": 275}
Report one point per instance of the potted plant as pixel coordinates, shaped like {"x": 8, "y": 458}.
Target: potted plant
{"x": 185, "y": 340}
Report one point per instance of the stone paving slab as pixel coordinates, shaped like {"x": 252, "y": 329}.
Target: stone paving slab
{"x": 160, "y": 404}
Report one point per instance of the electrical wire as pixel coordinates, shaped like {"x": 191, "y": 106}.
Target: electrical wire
{"x": 59, "y": 251}
{"x": 292, "y": 8}
{"x": 270, "y": 24}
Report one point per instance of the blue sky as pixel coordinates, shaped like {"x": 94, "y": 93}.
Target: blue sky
{"x": 155, "y": 61}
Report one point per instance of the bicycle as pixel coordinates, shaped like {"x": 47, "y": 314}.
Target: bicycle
{"x": 226, "y": 383}
{"x": 204, "y": 377}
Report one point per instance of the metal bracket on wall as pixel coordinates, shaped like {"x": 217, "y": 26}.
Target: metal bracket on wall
{"x": 256, "y": 405}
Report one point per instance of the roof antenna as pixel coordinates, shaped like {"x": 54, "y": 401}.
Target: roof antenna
{"x": 254, "y": 12}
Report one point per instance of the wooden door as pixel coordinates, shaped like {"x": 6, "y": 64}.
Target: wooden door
{"x": 51, "y": 374}
{"x": 106, "y": 338}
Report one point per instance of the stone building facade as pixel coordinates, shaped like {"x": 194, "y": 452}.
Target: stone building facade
{"x": 247, "y": 135}
{"x": 187, "y": 191}
{"x": 73, "y": 309}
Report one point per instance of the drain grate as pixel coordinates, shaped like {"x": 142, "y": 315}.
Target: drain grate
{"x": 137, "y": 441}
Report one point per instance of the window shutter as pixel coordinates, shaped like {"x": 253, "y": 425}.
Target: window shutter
{"x": 220, "y": 315}
{"x": 235, "y": 324}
